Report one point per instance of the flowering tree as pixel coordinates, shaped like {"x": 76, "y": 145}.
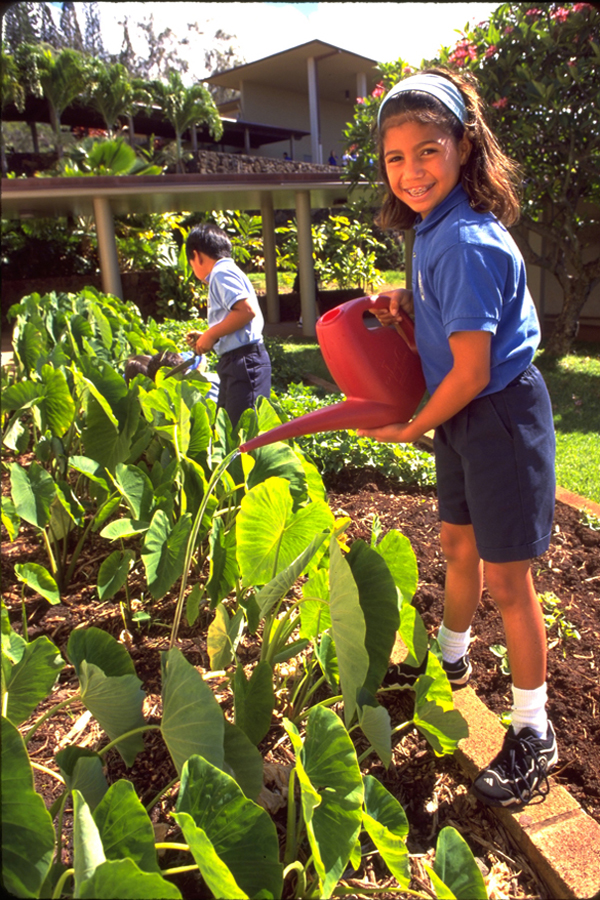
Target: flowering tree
{"x": 539, "y": 70}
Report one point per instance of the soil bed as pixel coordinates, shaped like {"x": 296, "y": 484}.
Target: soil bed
{"x": 433, "y": 791}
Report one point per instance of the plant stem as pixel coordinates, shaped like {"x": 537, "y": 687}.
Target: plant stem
{"x": 47, "y": 715}
{"x": 341, "y": 891}
{"x": 178, "y": 869}
{"x": 50, "y": 553}
{"x": 164, "y": 790}
{"x": 61, "y": 882}
{"x": 24, "y": 614}
{"x": 59, "y": 825}
{"x": 47, "y": 771}
{"x": 127, "y": 734}
{"x": 329, "y": 701}
{"x": 290, "y": 835}
{"x": 169, "y": 845}
{"x": 192, "y": 541}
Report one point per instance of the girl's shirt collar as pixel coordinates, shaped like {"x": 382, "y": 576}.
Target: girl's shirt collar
{"x": 456, "y": 196}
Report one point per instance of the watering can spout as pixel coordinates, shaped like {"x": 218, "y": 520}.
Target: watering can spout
{"x": 377, "y": 369}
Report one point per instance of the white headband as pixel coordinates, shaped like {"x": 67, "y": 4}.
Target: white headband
{"x": 438, "y": 87}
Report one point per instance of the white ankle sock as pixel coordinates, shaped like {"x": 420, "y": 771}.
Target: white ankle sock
{"x": 453, "y": 644}
{"x": 529, "y": 710}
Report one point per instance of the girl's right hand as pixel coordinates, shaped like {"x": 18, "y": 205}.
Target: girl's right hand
{"x": 400, "y": 299}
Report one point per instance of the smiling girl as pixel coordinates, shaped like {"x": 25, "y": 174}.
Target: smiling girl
{"x": 476, "y": 330}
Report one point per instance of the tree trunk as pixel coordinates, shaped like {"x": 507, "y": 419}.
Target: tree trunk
{"x": 34, "y": 137}
{"x": 566, "y": 325}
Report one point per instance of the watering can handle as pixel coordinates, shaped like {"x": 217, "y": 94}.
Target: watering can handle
{"x": 407, "y": 327}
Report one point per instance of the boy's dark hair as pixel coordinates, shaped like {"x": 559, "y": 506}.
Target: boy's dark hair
{"x": 136, "y": 365}
{"x": 490, "y": 179}
{"x": 166, "y": 358}
{"x": 208, "y": 239}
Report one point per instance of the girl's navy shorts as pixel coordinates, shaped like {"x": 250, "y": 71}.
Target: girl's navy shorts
{"x": 495, "y": 469}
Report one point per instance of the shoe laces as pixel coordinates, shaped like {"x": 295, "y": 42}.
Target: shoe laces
{"x": 515, "y": 765}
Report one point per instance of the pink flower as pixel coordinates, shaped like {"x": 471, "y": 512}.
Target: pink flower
{"x": 378, "y": 90}
{"x": 533, "y": 12}
{"x": 560, "y": 14}
{"x": 509, "y": 29}
{"x": 463, "y": 51}
{"x": 360, "y": 100}
{"x": 571, "y": 62}
{"x": 490, "y": 51}
{"x": 578, "y": 7}
{"x": 501, "y": 103}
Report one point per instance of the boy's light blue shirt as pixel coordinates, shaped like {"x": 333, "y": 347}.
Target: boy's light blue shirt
{"x": 226, "y": 285}
{"x": 469, "y": 275}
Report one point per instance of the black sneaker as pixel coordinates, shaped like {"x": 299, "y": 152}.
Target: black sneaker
{"x": 402, "y": 676}
{"x": 458, "y": 672}
{"x": 519, "y": 772}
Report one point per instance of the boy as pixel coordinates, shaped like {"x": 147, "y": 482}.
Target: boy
{"x": 235, "y": 322}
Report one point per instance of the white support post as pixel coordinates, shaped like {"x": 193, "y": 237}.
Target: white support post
{"x": 107, "y": 248}
{"x": 313, "y": 106}
{"x": 361, "y": 84}
{"x": 268, "y": 230}
{"x": 305, "y": 264}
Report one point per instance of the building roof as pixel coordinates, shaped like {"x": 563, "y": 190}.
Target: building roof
{"x": 338, "y": 69}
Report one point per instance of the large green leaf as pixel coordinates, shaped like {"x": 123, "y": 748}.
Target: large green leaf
{"x": 216, "y": 874}
{"x": 278, "y": 587}
{"x": 39, "y": 580}
{"x": 27, "y": 831}
{"x": 413, "y": 634}
{"x": 58, "y": 406}
{"x": 278, "y": 461}
{"x": 112, "y": 416}
{"x": 192, "y": 721}
{"x": 254, "y": 700}
{"x": 117, "y": 705}
{"x": 270, "y": 535}
{"x": 224, "y": 569}
{"x": 442, "y": 728}
{"x": 32, "y": 678}
{"x": 218, "y": 642}
{"x": 137, "y": 490}
{"x": 315, "y": 617}
{"x": 113, "y": 573}
{"x": 125, "y": 827}
{"x": 242, "y": 834}
{"x": 88, "y": 852}
{"x": 123, "y": 879}
{"x": 400, "y": 557}
{"x": 456, "y": 867}
{"x": 330, "y": 764}
{"x": 32, "y": 491}
{"x": 348, "y": 629}
{"x": 378, "y": 600}
{"x": 100, "y": 648}
{"x": 82, "y": 770}
{"x": 164, "y": 551}
{"x": 242, "y": 761}
{"x": 377, "y": 727}
{"x": 386, "y": 824}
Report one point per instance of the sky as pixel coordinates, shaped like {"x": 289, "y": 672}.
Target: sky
{"x": 381, "y": 31}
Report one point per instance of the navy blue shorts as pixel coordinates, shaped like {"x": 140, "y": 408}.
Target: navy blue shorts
{"x": 495, "y": 469}
{"x": 245, "y": 376}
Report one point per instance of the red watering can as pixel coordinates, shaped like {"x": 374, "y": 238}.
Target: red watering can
{"x": 377, "y": 368}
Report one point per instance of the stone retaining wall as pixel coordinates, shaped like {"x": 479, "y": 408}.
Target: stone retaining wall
{"x": 209, "y": 162}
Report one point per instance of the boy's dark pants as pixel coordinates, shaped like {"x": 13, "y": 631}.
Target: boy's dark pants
{"x": 245, "y": 375}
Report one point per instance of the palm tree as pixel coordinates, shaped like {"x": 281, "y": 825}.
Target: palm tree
{"x": 63, "y": 77}
{"x": 184, "y": 107}
{"x": 113, "y": 93}
{"x": 12, "y": 92}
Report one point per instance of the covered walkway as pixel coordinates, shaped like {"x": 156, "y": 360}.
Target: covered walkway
{"x": 105, "y": 197}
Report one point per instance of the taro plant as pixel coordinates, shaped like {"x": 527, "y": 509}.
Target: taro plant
{"x": 231, "y": 841}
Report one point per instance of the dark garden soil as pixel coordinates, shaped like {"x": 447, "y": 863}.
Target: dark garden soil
{"x": 433, "y": 791}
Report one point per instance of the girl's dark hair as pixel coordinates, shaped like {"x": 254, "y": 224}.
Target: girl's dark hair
{"x": 208, "y": 239}
{"x": 490, "y": 179}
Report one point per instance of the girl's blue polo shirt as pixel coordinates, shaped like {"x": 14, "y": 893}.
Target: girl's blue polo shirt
{"x": 469, "y": 275}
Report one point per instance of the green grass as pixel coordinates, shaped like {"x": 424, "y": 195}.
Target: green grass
{"x": 574, "y": 386}
{"x": 285, "y": 281}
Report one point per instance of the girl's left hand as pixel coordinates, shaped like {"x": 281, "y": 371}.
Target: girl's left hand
{"x": 396, "y": 433}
